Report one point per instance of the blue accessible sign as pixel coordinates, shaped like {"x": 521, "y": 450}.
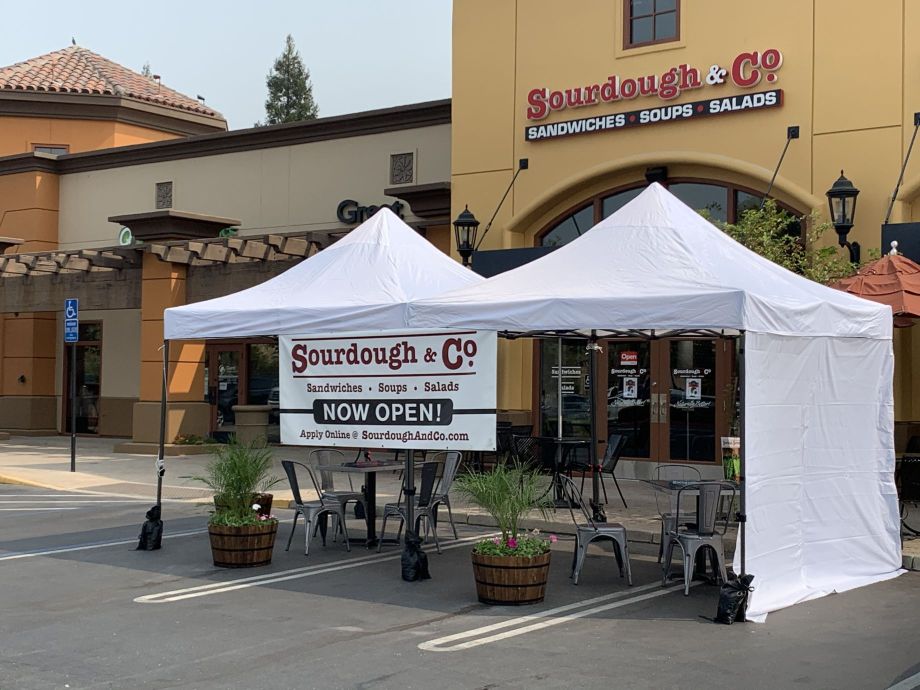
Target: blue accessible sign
{"x": 71, "y": 320}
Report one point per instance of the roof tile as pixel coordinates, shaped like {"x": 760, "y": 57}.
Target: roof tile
{"x": 78, "y": 70}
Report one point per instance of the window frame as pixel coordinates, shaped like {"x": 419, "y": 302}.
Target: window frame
{"x": 627, "y": 26}
{"x": 66, "y": 148}
{"x": 597, "y": 202}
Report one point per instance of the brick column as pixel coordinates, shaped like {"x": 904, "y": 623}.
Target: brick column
{"x": 163, "y": 286}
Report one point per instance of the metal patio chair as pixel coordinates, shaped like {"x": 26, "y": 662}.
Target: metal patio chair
{"x": 615, "y": 445}
{"x": 312, "y": 511}
{"x": 703, "y": 534}
{"x": 668, "y": 514}
{"x": 590, "y": 531}
{"x": 422, "y": 509}
{"x": 327, "y": 457}
{"x": 450, "y": 461}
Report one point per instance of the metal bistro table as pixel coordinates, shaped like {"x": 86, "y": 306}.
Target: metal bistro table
{"x": 564, "y": 449}
{"x": 369, "y": 470}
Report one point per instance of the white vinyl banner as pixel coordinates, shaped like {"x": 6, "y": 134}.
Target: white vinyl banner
{"x": 420, "y": 389}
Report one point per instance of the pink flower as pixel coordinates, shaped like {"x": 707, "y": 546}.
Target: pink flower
{"x": 512, "y": 543}
{"x": 496, "y": 541}
{"x": 553, "y": 539}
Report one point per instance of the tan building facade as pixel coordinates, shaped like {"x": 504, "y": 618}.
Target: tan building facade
{"x": 603, "y": 97}
{"x": 141, "y": 228}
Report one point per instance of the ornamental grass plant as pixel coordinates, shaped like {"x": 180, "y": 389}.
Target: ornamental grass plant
{"x": 237, "y": 475}
{"x": 508, "y": 493}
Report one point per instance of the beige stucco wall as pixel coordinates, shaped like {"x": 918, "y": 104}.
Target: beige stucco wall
{"x": 854, "y": 107}
{"x": 281, "y": 189}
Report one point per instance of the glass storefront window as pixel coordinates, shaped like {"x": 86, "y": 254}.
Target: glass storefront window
{"x": 703, "y": 197}
{"x": 576, "y": 404}
{"x": 569, "y": 228}
{"x": 263, "y": 372}
{"x": 692, "y": 396}
{"x": 615, "y": 202}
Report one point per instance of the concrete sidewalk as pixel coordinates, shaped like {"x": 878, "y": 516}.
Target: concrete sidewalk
{"x": 45, "y": 462}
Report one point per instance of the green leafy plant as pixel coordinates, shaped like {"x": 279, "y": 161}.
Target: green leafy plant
{"x": 767, "y": 231}
{"x": 508, "y": 493}
{"x": 237, "y": 475}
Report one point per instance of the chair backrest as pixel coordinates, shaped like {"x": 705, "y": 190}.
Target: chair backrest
{"x": 523, "y": 449}
{"x": 573, "y": 499}
{"x": 327, "y": 456}
{"x": 448, "y": 461}
{"x": 615, "y": 445}
{"x": 707, "y": 509}
{"x": 426, "y": 489}
{"x": 670, "y": 471}
{"x": 291, "y": 471}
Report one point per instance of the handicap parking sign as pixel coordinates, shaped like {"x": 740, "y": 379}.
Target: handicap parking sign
{"x": 71, "y": 320}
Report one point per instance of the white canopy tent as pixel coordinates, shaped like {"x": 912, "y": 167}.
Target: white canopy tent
{"x": 362, "y": 282}
{"x": 817, "y": 414}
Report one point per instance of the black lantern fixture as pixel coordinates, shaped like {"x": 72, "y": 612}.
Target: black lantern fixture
{"x": 841, "y": 198}
{"x": 465, "y": 228}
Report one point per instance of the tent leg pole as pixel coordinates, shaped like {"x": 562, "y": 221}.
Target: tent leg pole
{"x": 742, "y": 509}
{"x": 596, "y": 505}
{"x": 161, "y": 464}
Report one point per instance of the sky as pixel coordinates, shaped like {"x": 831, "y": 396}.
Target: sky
{"x": 362, "y": 54}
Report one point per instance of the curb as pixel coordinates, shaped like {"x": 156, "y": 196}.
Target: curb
{"x": 910, "y": 562}
{"x": 6, "y": 479}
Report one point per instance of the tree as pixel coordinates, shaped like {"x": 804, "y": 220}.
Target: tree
{"x": 146, "y": 71}
{"x": 767, "y": 232}
{"x": 290, "y": 93}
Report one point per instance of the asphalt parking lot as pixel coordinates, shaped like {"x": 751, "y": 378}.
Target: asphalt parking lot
{"x": 82, "y": 609}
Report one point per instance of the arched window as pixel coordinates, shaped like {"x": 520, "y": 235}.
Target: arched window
{"x": 721, "y": 201}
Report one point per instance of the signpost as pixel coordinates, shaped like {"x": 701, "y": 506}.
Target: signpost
{"x": 72, "y": 335}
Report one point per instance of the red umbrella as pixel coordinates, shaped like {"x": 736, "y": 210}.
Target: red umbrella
{"x": 893, "y": 280}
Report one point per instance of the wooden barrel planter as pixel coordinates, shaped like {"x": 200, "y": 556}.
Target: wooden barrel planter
{"x": 243, "y": 547}
{"x": 510, "y": 580}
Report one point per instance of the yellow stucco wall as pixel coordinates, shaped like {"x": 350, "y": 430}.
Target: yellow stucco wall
{"x": 846, "y": 75}
{"x": 20, "y": 134}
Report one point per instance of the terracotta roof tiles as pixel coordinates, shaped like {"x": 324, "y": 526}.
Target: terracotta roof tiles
{"x": 78, "y": 70}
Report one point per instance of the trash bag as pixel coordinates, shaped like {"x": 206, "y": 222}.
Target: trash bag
{"x": 733, "y": 600}
{"x": 414, "y": 560}
{"x": 151, "y": 536}
{"x": 359, "y": 509}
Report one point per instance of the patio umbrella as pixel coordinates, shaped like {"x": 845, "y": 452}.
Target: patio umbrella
{"x": 893, "y": 280}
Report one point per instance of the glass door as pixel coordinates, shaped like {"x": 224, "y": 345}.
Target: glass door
{"x": 572, "y": 380}
{"x": 224, "y": 371}
{"x": 89, "y": 380}
{"x": 668, "y": 397}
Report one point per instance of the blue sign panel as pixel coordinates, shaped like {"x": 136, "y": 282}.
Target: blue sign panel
{"x": 71, "y": 320}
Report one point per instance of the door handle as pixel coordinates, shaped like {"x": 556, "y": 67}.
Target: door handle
{"x": 663, "y": 407}
{"x": 655, "y": 411}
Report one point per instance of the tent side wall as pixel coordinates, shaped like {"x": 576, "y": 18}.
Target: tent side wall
{"x": 819, "y": 437}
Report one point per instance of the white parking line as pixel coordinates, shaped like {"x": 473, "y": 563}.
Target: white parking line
{"x": 908, "y": 683}
{"x": 271, "y": 578}
{"x": 543, "y": 619}
{"x": 19, "y": 510}
{"x": 90, "y": 500}
{"x": 86, "y": 547}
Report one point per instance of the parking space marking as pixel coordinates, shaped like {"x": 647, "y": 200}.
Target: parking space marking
{"x": 908, "y": 683}
{"x": 84, "y": 500}
{"x": 542, "y": 620}
{"x": 94, "y": 545}
{"x": 19, "y": 510}
{"x": 283, "y": 576}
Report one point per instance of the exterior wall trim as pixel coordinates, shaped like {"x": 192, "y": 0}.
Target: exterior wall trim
{"x": 798, "y": 196}
{"x": 415, "y": 116}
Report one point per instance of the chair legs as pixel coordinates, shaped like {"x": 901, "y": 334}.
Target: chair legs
{"x": 293, "y": 527}
{"x": 313, "y": 523}
{"x": 688, "y": 553}
{"x": 620, "y": 551}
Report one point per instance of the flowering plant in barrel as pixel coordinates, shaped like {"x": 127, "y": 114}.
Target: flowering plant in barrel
{"x": 242, "y": 529}
{"x": 512, "y": 568}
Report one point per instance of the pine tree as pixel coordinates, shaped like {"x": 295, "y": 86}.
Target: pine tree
{"x": 290, "y": 93}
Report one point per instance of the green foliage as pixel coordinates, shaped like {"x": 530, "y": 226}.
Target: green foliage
{"x": 766, "y": 231}
{"x": 236, "y": 475}
{"x": 146, "y": 71}
{"x": 192, "y": 440}
{"x": 227, "y": 519}
{"x": 290, "y": 93}
{"x": 526, "y": 545}
{"x": 507, "y": 493}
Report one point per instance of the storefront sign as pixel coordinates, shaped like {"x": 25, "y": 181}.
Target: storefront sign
{"x": 746, "y": 70}
{"x": 409, "y": 389}
{"x": 650, "y": 116}
{"x": 629, "y": 358}
{"x": 351, "y": 212}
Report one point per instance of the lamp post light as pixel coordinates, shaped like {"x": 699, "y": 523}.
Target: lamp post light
{"x": 465, "y": 228}
{"x": 841, "y": 198}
